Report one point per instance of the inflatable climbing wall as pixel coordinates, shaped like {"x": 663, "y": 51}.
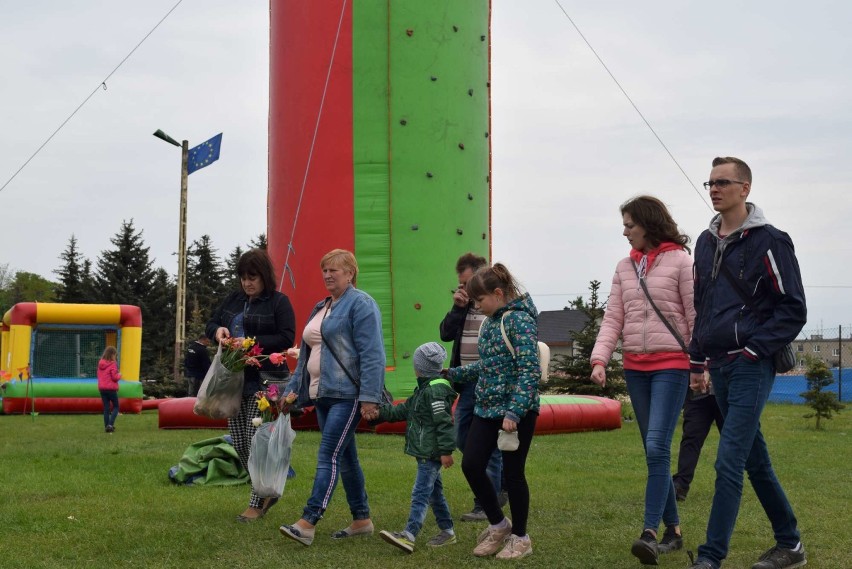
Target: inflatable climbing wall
{"x": 379, "y": 143}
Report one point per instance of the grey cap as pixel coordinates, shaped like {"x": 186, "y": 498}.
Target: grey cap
{"x": 429, "y": 360}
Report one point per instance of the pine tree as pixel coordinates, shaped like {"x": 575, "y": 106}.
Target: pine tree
{"x": 571, "y": 374}
{"x": 70, "y": 286}
{"x": 232, "y": 279}
{"x": 824, "y": 403}
{"x": 87, "y": 282}
{"x": 258, "y": 242}
{"x": 158, "y": 327}
{"x": 205, "y": 288}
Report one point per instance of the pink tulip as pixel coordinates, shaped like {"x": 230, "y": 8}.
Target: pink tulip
{"x": 276, "y": 358}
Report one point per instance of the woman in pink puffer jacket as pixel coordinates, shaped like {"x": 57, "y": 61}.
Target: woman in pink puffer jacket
{"x": 656, "y": 365}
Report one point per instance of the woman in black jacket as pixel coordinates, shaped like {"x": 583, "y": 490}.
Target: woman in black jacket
{"x": 256, "y": 311}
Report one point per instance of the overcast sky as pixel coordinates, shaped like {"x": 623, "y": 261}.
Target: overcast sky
{"x": 765, "y": 81}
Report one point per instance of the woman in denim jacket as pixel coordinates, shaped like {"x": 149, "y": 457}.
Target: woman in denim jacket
{"x": 343, "y": 334}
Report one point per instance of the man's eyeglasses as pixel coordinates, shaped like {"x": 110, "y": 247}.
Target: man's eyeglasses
{"x": 720, "y": 183}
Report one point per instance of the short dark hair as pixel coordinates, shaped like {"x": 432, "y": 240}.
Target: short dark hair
{"x": 653, "y": 216}
{"x": 743, "y": 171}
{"x": 470, "y": 261}
{"x": 256, "y": 263}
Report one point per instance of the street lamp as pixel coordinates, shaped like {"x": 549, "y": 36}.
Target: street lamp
{"x": 180, "y": 308}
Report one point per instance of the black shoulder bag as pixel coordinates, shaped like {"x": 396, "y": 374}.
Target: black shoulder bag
{"x": 784, "y": 359}
{"x": 668, "y": 324}
{"x": 387, "y": 398}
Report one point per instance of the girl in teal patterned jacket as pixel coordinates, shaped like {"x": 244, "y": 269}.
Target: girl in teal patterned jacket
{"x": 506, "y": 400}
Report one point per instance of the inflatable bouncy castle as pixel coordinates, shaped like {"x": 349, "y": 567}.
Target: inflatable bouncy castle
{"x": 50, "y": 354}
{"x": 379, "y": 143}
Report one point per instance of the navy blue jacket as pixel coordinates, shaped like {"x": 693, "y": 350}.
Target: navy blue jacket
{"x": 764, "y": 263}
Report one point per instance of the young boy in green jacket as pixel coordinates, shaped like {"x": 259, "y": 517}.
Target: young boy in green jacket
{"x": 429, "y": 438}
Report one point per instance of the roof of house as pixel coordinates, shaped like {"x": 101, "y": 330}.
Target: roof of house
{"x": 556, "y": 326}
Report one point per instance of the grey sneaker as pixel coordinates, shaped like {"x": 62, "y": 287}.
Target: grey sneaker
{"x": 780, "y": 558}
{"x": 475, "y": 515}
{"x": 493, "y": 540}
{"x": 398, "y": 539}
{"x": 443, "y": 538}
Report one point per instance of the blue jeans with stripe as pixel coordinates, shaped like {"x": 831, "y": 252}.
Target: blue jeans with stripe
{"x": 337, "y": 458}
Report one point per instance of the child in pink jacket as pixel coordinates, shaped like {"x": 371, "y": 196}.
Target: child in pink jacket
{"x": 657, "y": 273}
{"x": 108, "y": 377}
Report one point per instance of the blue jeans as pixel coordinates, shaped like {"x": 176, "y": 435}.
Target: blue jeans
{"x": 109, "y": 397}
{"x": 428, "y": 491}
{"x": 463, "y": 417}
{"x": 657, "y": 398}
{"x": 337, "y": 458}
{"x": 742, "y": 388}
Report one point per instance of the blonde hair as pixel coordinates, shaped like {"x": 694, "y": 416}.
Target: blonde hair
{"x": 488, "y": 279}
{"x": 341, "y": 259}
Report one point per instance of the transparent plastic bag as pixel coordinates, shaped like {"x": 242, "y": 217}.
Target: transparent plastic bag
{"x": 269, "y": 459}
{"x": 221, "y": 393}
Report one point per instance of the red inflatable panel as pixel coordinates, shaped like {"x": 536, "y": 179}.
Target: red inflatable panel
{"x": 148, "y": 404}
{"x": 67, "y": 405}
{"x": 177, "y": 414}
{"x": 589, "y": 414}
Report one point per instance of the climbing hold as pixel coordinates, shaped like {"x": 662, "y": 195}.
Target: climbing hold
{"x": 406, "y": 355}
{"x": 470, "y": 197}
{"x": 404, "y": 122}
{"x": 417, "y": 306}
{"x": 470, "y": 92}
{"x": 455, "y": 28}
{"x": 488, "y": 84}
{"x": 461, "y": 145}
{"x": 415, "y": 227}
{"x": 483, "y": 236}
{"x": 486, "y": 135}
{"x": 433, "y": 78}
{"x": 487, "y": 178}
{"x": 409, "y": 32}
{"x": 428, "y": 174}
{"x": 482, "y": 38}
{"x": 459, "y": 231}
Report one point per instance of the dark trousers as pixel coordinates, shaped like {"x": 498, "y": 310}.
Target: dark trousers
{"x": 481, "y": 442}
{"x": 698, "y": 416}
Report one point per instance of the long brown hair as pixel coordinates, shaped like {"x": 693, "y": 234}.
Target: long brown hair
{"x": 653, "y": 216}
{"x": 109, "y": 354}
{"x": 487, "y": 279}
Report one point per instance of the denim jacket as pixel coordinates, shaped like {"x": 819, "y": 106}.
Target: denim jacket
{"x": 354, "y": 330}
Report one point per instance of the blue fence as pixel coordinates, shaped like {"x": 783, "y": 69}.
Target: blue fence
{"x": 788, "y": 388}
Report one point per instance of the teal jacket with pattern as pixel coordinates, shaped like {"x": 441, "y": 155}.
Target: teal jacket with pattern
{"x": 506, "y": 383}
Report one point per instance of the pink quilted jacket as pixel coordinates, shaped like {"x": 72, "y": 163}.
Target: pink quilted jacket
{"x": 630, "y": 316}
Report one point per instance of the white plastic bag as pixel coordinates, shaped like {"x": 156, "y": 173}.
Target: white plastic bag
{"x": 269, "y": 459}
{"x": 221, "y": 393}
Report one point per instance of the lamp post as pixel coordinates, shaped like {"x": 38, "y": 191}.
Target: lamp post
{"x": 180, "y": 305}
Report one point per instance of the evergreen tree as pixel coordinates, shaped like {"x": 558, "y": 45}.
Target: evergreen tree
{"x": 70, "y": 286}
{"x": 571, "y": 374}
{"x": 158, "y": 327}
{"x": 258, "y": 242}
{"x": 824, "y": 403}
{"x": 87, "y": 282}
{"x": 204, "y": 279}
{"x": 232, "y": 279}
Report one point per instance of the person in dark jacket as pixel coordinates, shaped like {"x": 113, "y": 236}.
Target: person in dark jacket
{"x": 749, "y": 304}
{"x": 429, "y": 439}
{"x": 256, "y": 311}
{"x": 461, "y": 327}
{"x": 196, "y": 363}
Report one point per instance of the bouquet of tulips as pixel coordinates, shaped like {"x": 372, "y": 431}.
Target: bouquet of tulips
{"x": 221, "y": 393}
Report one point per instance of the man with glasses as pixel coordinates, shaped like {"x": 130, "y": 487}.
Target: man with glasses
{"x": 749, "y": 305}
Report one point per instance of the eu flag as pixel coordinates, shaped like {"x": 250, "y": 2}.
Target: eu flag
{"x": 204, "y": 154}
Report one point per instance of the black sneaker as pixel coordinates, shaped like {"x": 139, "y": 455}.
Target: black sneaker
{"x": 645, "y": 548}
{"x": 680, "y": 493}
{"x": 780, "y": 558}
{"x": 671, "y": 541}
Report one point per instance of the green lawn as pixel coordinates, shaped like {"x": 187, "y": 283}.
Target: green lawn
{"x": 73, "y": 496}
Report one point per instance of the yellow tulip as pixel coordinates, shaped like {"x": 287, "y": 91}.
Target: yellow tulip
{"x": 263, "y": 404}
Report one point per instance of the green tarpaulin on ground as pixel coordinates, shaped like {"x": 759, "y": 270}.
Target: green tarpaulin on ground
{"x": 212, "y": 462}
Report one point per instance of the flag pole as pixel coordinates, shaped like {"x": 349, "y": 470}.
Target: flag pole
{"x": 180, "y": 304}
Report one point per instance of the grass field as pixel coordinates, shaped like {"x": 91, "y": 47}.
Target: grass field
{"x": 73, "y": 496}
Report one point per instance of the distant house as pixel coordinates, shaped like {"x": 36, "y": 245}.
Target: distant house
{"x": 556, "y": 328}
{"x": 833, "y": 351}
